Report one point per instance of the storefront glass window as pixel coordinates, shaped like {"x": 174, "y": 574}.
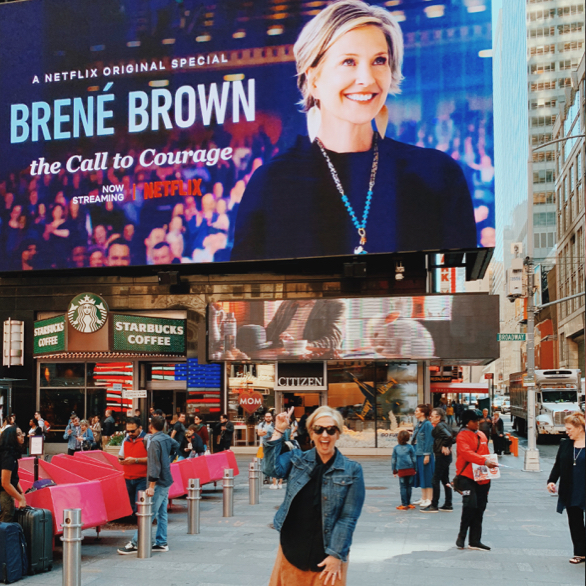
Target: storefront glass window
{"x": 351, "y": 391}
{"x": 57, "y": 405}
{"x": 61, "y": 374}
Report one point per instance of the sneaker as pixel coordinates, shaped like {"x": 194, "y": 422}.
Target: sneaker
{"x": 460, "y": 542}
{"x": 446, "y": 509}
{"x": 479, "y": 546}
{"x": 273, "y": 487}
{"x": 280, "y": 486}
{"x": 128, "y": 549}
{"x": 424, "y": 504}
{"x": 429, "y": 509}
{"x": 160, "y": 547}
{"x": 411, "y": 507}
{"x": 402, "y": 508}
{"x": 417, "y": 502}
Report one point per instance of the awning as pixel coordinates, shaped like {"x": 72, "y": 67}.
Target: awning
{"x": 467, "y": 388}
{"x": 108, "y": 356}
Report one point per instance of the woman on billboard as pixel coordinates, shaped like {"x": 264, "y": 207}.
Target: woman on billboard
{"x": 347, "y": 189}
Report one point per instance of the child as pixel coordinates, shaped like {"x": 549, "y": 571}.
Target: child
{"x": 403, "y": 464}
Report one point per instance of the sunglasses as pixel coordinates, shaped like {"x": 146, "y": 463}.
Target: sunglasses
{"x": 331, "y": 429}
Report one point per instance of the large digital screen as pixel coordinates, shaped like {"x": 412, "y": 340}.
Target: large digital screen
{"x": 160, "y": 132}
{"x": 460, "y": 327}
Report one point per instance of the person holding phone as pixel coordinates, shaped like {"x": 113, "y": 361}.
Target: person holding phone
{"x": 324, "y": 498}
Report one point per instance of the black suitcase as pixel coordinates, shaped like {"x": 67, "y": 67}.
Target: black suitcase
{"x": 13, "y": 562}
{"x": 37, "y": 526}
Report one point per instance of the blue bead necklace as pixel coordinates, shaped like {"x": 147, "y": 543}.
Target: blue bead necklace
{"x": 360, "y": 226}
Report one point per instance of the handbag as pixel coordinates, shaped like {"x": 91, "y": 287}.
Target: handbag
{"x": 457, "y": 482}
{"x": 406, "y": 472}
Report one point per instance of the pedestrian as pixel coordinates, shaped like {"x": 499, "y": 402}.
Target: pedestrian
{"x": 224, "y": 432}
{"x": 97, "y": 431}
{"x": 324, "y": 498}
{"x": 422, "y": 440}
{"x": 108, "y": 428}
{"x": 85, "y": 439}
{"x": 265, "y": 430}
{"x": 178, "y": 434}
{"x": 457, "y": 411}
{"x": 442, "y": 452}
{"x": 450, "y": 414}
{"x": 570, "y": 470}
{"x": 403, "y": 464}
{"x": 485, "y": 423}
{"x": 40, "y": 422}
{"x": 472, "y": 448}
{"x": 194, "y": 445}
{"x": 133, "y": 457}
{"x": 201, "y": 429}
{"x": 498, "y": 434}
{"x": 72, "y": 432}
{"x": 159, "y": 480}
{"x": 34, "y": 428}
{"x": 11, "y": 445}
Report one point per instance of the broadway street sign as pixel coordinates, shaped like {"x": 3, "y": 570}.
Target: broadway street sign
{"x": 510, "y": 337}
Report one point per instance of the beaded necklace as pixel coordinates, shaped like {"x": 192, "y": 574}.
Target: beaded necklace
{"x": 360, "y": 226}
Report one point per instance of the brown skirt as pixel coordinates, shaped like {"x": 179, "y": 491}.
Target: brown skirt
{"x": 286, "y": 574}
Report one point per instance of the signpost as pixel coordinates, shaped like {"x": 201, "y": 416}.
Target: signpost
{"x": 511, "y": 337}
{"x": 130, "y": 394}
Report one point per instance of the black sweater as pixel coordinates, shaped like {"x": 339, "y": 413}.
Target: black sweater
{"x": 292, "y": 209}
{"x": 563, "y": 470}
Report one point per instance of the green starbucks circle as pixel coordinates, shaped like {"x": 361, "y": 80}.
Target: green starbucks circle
{"x": 87, "y": 313}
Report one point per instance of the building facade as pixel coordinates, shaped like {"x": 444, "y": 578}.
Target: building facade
{"x": 571, "y": 249}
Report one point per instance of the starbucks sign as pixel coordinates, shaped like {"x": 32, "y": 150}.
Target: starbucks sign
{"x": 87, "y": 313}
{"x": 135, "y": 333}
{"x": 49, "y": 335}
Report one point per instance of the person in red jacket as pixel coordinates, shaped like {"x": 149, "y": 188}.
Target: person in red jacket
{"x": 472, "y": 447}
{"x": 133, "y": 456}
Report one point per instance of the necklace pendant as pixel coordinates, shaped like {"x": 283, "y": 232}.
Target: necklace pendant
{"x": 359, "y": 250}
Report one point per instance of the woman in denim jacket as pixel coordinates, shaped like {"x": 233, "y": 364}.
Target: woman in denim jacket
{"x": 324, "y": 498}
{"x": 422, "y": 441}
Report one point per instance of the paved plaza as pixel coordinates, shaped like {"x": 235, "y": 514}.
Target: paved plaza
{"x": 531, "y": 542}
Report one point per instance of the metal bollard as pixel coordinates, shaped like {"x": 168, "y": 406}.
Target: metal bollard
{"x": 228, "y": 493}
{"x": 144, "y": 513}
{"x": 253, "y": 479}
{"x": 71, "y": 539}
{"x": 193, "y": 502}
{"x": 261, "y": 476}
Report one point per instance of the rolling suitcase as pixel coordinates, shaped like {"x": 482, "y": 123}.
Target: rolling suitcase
{"x": 37, "y": 526}
{"x": 13, "y": 561}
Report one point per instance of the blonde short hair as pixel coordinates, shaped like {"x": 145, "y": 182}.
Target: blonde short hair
{"x": 576, "y": 419}
{"x": 325, "y": 411}
{"x": 320, "y": 33}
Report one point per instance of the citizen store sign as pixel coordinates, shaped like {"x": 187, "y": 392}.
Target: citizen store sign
{"x": 304, "y": 376}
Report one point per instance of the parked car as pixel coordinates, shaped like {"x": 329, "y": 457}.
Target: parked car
{"x": 506, "y": 406}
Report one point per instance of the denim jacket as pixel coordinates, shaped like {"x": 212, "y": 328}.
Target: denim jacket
{"x": 72, "y": 442}
{"x": 403, "y": 457}
{"x": 159, "y": 459}
{"x": 342, "y": 490}
{"x": 422, "y": 438}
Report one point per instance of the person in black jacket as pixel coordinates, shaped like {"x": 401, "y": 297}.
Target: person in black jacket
{"x": 11, "y": 443}
{"x": 442, "y": 450}
{"x": 224, "y": 432}
{"x": 570, "y": 470}
{"x": 498, "y": 434}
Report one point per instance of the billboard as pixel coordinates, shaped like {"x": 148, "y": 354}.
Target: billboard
{"x": 443, "y": 327}
{"x": 163, "y": 132}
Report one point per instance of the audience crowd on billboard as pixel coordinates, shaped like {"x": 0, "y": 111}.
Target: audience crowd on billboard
{"x": 43, "y": 225}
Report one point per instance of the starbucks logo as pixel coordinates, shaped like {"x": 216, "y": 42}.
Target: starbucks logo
{"x": 87, "y": 313}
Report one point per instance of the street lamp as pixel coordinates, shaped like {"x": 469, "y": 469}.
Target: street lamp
{"x": 531, "y": 463}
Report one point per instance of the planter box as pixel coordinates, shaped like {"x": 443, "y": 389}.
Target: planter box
{"x": 112, "y": 450}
